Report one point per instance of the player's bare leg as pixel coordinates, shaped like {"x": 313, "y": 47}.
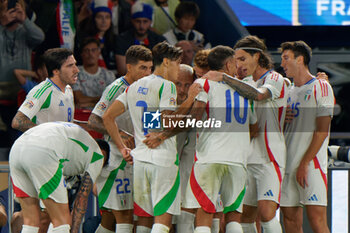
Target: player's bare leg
{"x": 317, "y": 216}
{"x": 232, "y": 220}
{"x": 293, "y": 219}
{"x": 124, "y": 219}
{"x": 248, "y": 219}
{"x": 203, "y": 221}
{"x": 267, "y": 213}
{"x": 144, "y": 224}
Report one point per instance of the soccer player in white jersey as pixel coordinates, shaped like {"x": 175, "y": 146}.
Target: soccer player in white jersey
{"x": 307, "y": 137}
{"x": 219, "y": 169}
{"x": 52, "y": 99}
{"x": 267, "y": 162}
{"x": 156, "y": 178}
{"x": 38, "y": 161}
{"x": 117, "y": 196}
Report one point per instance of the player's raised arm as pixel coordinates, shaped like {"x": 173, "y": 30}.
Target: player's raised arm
{"x": 243, "y": 88}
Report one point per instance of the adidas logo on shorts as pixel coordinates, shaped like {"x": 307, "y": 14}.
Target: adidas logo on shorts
{"x": 268, "y": 194}
{"x": 313, "y": 198}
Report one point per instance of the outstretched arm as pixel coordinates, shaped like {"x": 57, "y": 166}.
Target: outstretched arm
{"x": 96, "y": 123}
{"x": 80, "y": 203}
{"x": 21, "y": 122}
{"x": 241, "y": 87}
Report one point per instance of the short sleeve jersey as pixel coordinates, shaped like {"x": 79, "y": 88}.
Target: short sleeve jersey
{"x": 124, "y": 121}
{"x": 313, "y": 99}
{"x": 71, "y": 143}
{"x": 93, "y": 84}
{"x": 46, "y": 102}
{"x": 270, "y": 143}
{"x": 149, "y": 95}
{"x": 229, "y": 144}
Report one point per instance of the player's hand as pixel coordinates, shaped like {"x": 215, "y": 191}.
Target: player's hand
{"x": 302, "y": 174}
{"x": 153, "y": 140}
{"x": 8, "y": 16}
{"x": 20, "y": 13}
{"x": 289, "y": 115}
{"x": 213, "y": 76}
{"x": 126, "y": 155}
{"x": 194, "y": 90}
{"x": 127, "y": 140}
{"x": 322, "y": 75}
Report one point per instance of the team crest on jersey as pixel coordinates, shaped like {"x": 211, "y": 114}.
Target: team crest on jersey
{"x": 308, "y": 95}
{"x": 172, "y": 101}
{"x": 151, "y": 120}
{"x": 29, "y": 104}
{"x": 102, "y": 106}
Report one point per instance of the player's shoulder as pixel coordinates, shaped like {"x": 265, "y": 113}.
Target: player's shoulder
{"x": 42, "y": 89}
{"x": 275, "y": 76}
{"x": 323, "y": 88}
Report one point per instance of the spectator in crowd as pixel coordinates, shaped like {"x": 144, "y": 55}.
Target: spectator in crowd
{"x": 18, "y": 36}
{"x": 3, "y": 214}
{"x": 92, "y": 79}
{"x": 186, "y": 15}
{"x": 187, "y": 51}
{"x": 30, "y": 78}
{"x": 99, "y": 25}
{"x": 121, "y": 16}
{"x": 200, "y": 62}
{"x": 163, "y": 14}
{"x": 141, "y": 14}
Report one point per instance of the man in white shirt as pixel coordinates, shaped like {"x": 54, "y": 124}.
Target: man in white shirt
{"x": 307, "y": 137}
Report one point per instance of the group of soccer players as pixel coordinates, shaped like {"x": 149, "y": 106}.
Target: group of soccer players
{"x": 254, "y": 163}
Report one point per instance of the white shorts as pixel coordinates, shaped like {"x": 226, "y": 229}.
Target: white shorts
{"x": 156, "y": 189}
{"x": 37, "y": 172}
{"x": 208, "y": 180}
{"x": 114, "y": 187}
{"x": 314, "y": 194}
{"x": 185, "y": 167}
{"x": 264, "y": 183}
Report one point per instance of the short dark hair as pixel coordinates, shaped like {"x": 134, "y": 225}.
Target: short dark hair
{"x": 104, "y": 146}
{"x": 165, "y": 50}
{"x": 247, "y": 42}
{"x": 218, "y": 56}
{"x": 88, "y": 40}
{"x": 299, "y": 48}
{"x": 136, "y": 53}
{"x": 54, "y": 58}
{"x": 187, "y": 8}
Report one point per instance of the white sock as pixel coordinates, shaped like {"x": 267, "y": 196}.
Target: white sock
{"x": 101, "y": 229}
{"x": 272, "y": 226}
{"x": 143, "y": 229}
{"x": 215, "y": 226}
{"x": 249, "y": 227}
{"x": 29, "y": 229}
{"x": 124, "y": 228}
{"x": 202, "y": 229}
{"x": 61, "y": 229}
{"x": 234, "y": 227}
{"x": 159, "y": 228}
{"x": 185, "y": 222}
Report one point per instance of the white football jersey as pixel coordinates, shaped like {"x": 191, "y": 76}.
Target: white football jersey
{"x": 270, "y": 143}
{"x": 313, "y": 99}
{"x": 149, "y": 95}
{"x": 46, "y": 102}
{"x": 71, "y": 143}
{"x": 109, "y": 95}
{"x": 230, "y": 143}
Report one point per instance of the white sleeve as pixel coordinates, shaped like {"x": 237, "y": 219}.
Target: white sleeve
{"x": 324, "y": 98}
{"x": 274, "y": 82}
{"x": 167, "y": 96}
{"x": 203, "y": 95}
{"x": 252, "y": 114}
{"x": 34, "y": 101}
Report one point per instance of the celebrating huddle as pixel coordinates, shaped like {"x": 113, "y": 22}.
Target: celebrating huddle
{"x": 270, "y": 149}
